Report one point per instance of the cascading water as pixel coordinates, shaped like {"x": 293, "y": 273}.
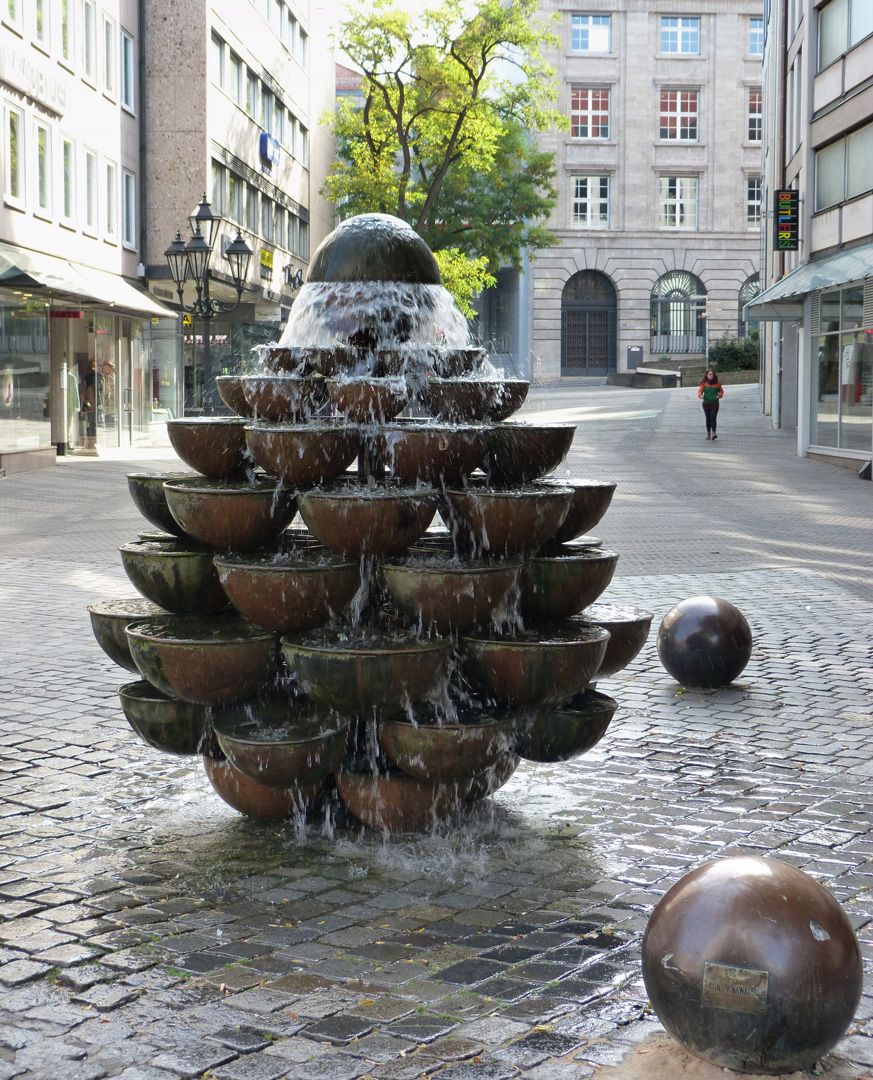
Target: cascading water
{"x": 410, "y": 686}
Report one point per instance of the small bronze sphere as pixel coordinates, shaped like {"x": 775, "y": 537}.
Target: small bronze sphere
{"x": 752, "y": 965}
{"x": 704, "y": 642}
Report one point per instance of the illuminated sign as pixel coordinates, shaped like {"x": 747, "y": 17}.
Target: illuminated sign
{"x": 268, "y": 150}
{"x": 62, "y": 314}
{"x": 786, "y": 220}
{"x": 266, "y": 263}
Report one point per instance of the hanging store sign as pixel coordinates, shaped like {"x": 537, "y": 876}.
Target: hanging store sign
{"x": 269, "y": 150}
{"x": 786, "y": 220}
{"x": 53, "y": 314}
{"x": 266, "y": 263}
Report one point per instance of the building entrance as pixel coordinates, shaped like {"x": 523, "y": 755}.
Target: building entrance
{"x": 589, "y": 310}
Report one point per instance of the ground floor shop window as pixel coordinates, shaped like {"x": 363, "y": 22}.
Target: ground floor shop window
{"x": 24, "y": 372}
{"x": 842, "y": 376}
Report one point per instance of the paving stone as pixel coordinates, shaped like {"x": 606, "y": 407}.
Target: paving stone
{"x": 339, "y": 1029}
{"x": 17, "y": 972}
{"x": 420, "y": 1027}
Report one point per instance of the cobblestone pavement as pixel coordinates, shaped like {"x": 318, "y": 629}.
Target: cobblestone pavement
{"x": 147, "y": 931}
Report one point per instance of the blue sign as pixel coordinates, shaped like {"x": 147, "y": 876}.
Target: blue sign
{"x": 268, "y": 150}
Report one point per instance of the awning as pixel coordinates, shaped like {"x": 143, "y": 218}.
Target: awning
{"x": 784, "y": 299}
{"x": 20, "y": 268}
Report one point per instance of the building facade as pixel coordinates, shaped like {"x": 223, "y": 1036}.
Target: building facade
{"x": 75, "y": 328}
{"x": 235, "y": 93}
{"x": 817, "y": 304}
{"x": 659, "y": 181}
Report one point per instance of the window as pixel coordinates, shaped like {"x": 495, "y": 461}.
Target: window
{"x": 42, "y": 30}
{"x": 678, "y": 202}
{"x": 234, "y": 198}
{"x": 293, "y": 233}
{"x": 303, "y": 145}
{"x": 589, "y": 113}
{"x": 110, "y": 201}
{"x": 67, "y": 52}
{"x": 842, "y": 170}
{"x": 89, "y": 40}
{"x": 841, "y": 25}
{"x": 279, "y": 122}
{"x": 128, "y": 209}
{"x": 128, "y": 72}
{"x": 289, "y": 32}
{"x": 42, "y": 168}
{"x": 14, "y": 144}
{"x": 235, "y": 78}
{"x": 267, "y": 109}
{"x": 219, "y": 187}
{"x": 12, "y": 12}
{"x": 842, "y": 372}
{"x": 91, "y": 191}
{"x": 303, "y": 241}
{"x": 748, "y": 291}
{"x": 678, "y": 115}
{"x": 279, "y": 226}
{"x": 108, "y": 55}
{"x": 678, "y": 314}
{"x": 266, "y": 219}
{"x": 303, "y": 48}
{"x": 251, "y": 208}
{"x": 217, "y": 59}
{"x": 591, "y": 33}
{"x": 68, "y": 181}
{"x": 753, "y": 200}
{"x": 253, "y": 95}
{"x": 755, "y": 115}
{"x": 756, "y": 37}
{"x": 591, "y": 201}
{"x": 680, "y": 35}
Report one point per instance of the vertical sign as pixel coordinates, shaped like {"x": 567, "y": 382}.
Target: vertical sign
{"x": 786, "y": 220}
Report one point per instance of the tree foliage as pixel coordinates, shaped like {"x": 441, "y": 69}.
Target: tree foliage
{"x": 452, "y": 97}
{"x": 463, "y": 276}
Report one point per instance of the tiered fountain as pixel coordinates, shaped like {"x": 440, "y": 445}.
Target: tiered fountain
{"x": 369, "y": 657}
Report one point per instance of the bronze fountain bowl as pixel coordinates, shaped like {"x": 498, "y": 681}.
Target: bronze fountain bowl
{"x": 483, "y": 521}
{"x": 628, "y": 628}
{"x": 359, "y": 671}
{"x": 179, "y": 577}
{"x": 173, "y": 727}
{"x": 437, "y": 591}
{"x": 428, "y": 453}
{"x": 232, "y": 516}
{"x": 281, "y": 741}
{"x": 368, "y": 399}
{"x": 309, "y": 359}
{"x": 212, "y": 445}
{"x": 398, "y": 803}
{"x": 109, "y": 620}
{"x": 254, "y": 799}
{"x": 371, "y": 522}
{"x": 292, "y": 591}
{"x": 520, "y": 452}
{"x": 147, "y": 491}
{"x": 563, "y": 732}
{"x": 561, "y": 584}
{"x": 213, "y": 660}
{"x": 304, "y": 455}
{"x": 283, "y": 398}
{"x": 535, "y": 667}
{"x": 230, "y": 390}
{"x": 591, "y": 499}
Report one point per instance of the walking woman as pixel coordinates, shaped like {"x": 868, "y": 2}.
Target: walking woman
{"x": 711, "y": 391}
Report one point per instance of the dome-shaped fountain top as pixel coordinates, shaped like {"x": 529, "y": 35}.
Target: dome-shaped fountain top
{"x": 374, "y": 247}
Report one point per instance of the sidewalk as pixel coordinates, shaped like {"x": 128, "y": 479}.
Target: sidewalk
{"x": 148, "y": 932}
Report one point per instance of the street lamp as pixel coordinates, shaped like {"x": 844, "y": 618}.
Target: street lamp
{"x": 190, "y": 262}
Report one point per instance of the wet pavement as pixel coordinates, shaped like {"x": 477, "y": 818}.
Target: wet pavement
{"x": 147, "y": 931}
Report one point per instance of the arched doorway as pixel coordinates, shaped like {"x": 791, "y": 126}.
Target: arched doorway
{"x": 589, "y": 309}
{"x": 748, "y": 291}
{"x": 678, "y": 314}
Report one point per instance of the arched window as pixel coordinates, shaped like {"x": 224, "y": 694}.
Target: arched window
{"x": 589, "y": 308}
{"x": 748, "y": 291}
{"x": 678, "y": 314}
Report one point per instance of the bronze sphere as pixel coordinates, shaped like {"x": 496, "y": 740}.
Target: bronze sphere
{"x": 704, "y": 642}
{"x": 752, "y": 965}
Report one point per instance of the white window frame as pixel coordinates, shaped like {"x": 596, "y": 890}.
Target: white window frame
{"x": 218, "y": 57}
{"x": 12, "y": 17}
{"x": 67, "y": 21}
{"x": 110, "y": 57}
{"x": 302, "y": 47}
{"x": 581, "y": 26}
{"x": 42, "y": 170}
{"x": 89, "y": 42}
{"x": 755, "y": 40}
{"x": 280, "y": 228}
{"x": 19, "y": 180}
{"x": 253, "y": 95}
{"x": 127, "y": 71}
{"x": 44, "y": 41}
{"x": 685, "y": 28}
{"x": 90, "y": 192}
{"x": 128, "y": 210}
{"x": 754, "y": 201}
{"x": 68, "y": 182}
{"x": 585, "y": 115}
{"x": 678, "y": 202}
{"x": 754, "y": 119}
{"x": 234, "y": 211}
{"x": 681, "y": 113}
{"x": 236, "y": 75}
{"x": 266, "y": 221}
{"x": 110, "y": 201}
{"x": 591, "y": 199}
{"x": 303, "y": 144}
{"x": 219, "y": 186}
{"x": 251, "y": 209}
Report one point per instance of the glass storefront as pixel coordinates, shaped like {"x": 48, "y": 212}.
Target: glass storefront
{"x": 225, "y": 350}
{"x": 843, "y": 374}
{"x": 24, "y": 372}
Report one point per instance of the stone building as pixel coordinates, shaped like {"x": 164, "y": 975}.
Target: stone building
{"x": 74, "y": 325}
{"x": 659, "y": 180}
{"x": 235, "y": 93}
{"x": 817, "y": 304}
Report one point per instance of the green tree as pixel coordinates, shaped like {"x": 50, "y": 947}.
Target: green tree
{"x": 452, "y": 98}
